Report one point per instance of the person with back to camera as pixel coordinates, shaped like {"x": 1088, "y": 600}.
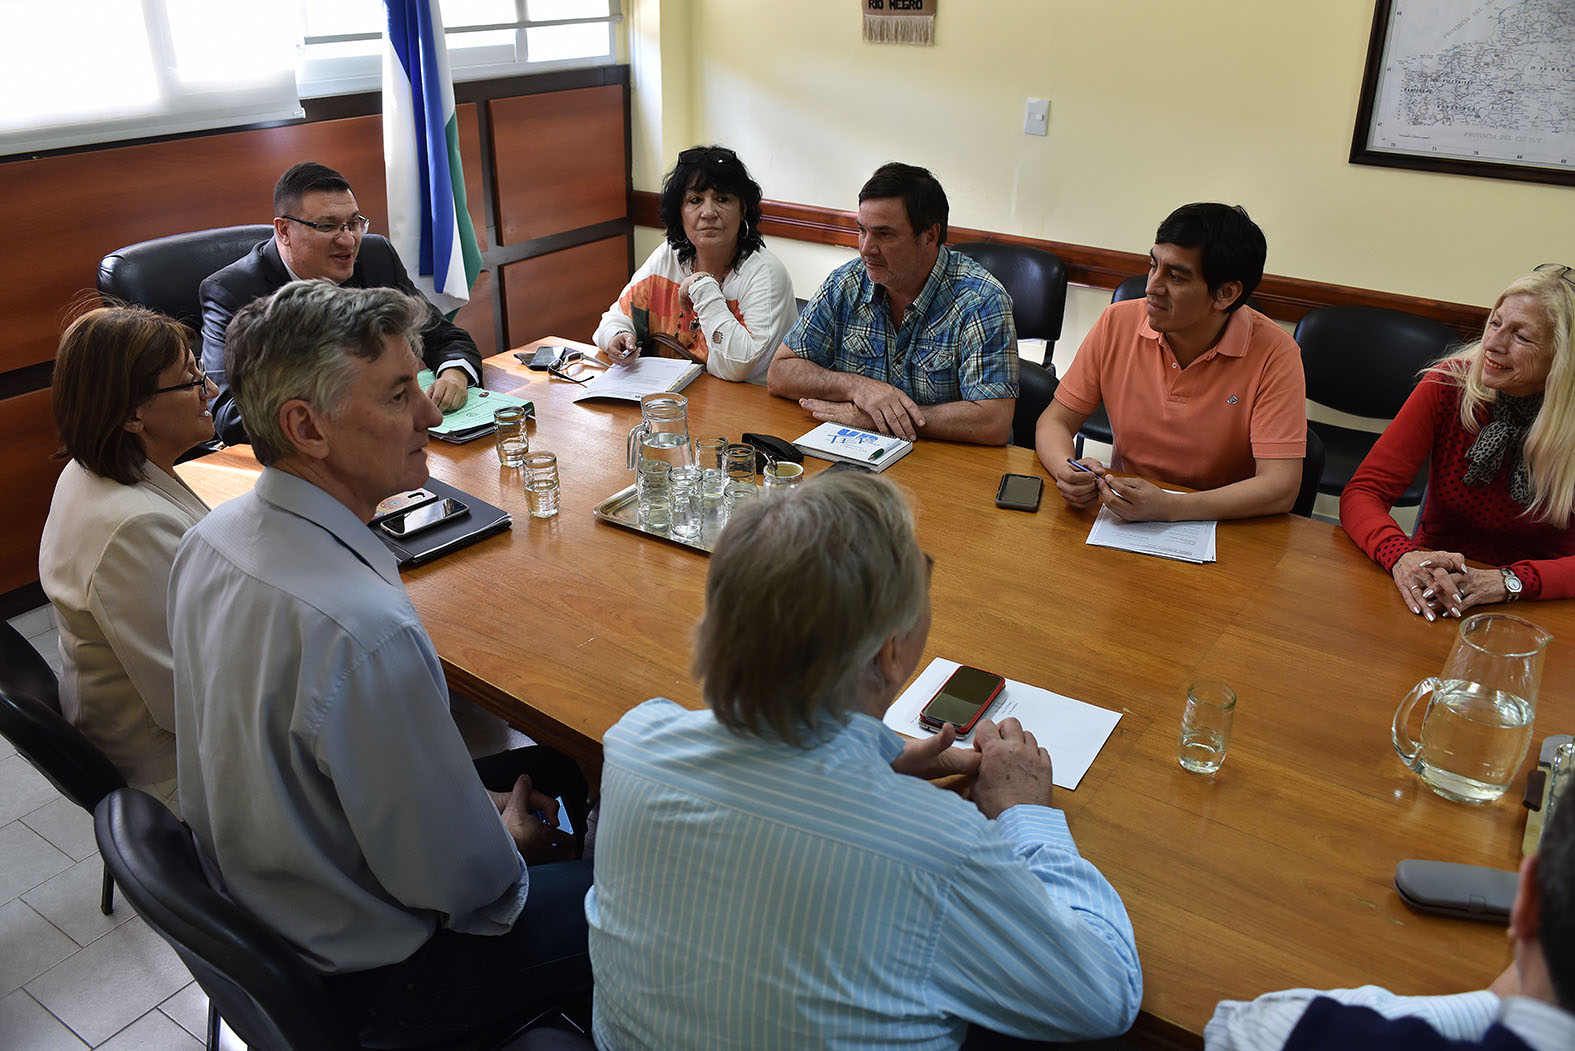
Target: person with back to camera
{"x": 129, "y": 399}
{"x": 1496, "y": 423}
{"x": 778, "y": 872}
{"x": 712, "y": 286}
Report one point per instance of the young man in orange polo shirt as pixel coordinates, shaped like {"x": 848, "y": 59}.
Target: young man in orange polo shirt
{"x": 1202, "y": 391}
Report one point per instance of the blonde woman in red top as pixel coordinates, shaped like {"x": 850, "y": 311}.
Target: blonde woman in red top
{"x": 1496, "y": 423}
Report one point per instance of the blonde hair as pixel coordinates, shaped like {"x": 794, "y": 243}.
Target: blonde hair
{"x": 1550, "y": 442}
{"x": 803, "y": 591}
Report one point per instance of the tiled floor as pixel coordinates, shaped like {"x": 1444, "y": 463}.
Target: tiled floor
{"x": 71, "y": 977}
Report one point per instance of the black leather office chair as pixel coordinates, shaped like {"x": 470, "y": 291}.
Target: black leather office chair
{"x": 30, "y": 719}
{"x": 1036, "y": 281}
{"x": 1364, "y": 361}
{"x": 1312, "y": 471}
{"x": 1035, "y": 390}
{"x": 164, "y": 273}
{"x": 254, "y": 980}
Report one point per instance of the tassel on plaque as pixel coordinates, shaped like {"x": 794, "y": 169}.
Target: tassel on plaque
{"x": 900, "y": 21}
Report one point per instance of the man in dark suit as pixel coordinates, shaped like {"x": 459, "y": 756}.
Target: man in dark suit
{"x": 318, "y": 231}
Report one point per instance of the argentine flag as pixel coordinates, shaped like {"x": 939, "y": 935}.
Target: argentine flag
{"x": 427, "y": 219}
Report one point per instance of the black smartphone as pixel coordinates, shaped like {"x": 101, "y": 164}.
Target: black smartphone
{"x": 423, "y": 517}
{"x": 543, "y": 359}
{"x": 961, "y": 700}
{"x": 1019, "y": 492}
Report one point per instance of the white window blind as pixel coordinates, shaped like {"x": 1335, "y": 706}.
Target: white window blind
{"x": 123, "y": 69}
{"x": 343, "y": 47}
{"x": 107, "y": 70}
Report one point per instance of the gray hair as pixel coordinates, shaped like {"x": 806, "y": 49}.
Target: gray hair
{"x": 803, "y": 590}
{"x": 299, "y": 342}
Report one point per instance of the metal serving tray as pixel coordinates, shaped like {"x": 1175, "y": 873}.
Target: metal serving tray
{"x": 622, "y": 509}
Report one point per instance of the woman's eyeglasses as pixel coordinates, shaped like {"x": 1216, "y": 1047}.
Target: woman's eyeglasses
{"x": 571, "y": 365}
{"x": 200, "y": 381}
{"x": 707, "y": 155}
{"x": 1557, "y": 270}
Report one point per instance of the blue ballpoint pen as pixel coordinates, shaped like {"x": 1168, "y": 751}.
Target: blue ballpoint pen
{"x": 1097, "y": 476}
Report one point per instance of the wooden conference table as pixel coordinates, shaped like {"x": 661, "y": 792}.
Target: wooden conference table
{"x": 1275, "y": 872}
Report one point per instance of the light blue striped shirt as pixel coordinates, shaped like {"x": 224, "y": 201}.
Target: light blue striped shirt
{"x": 754, "y": 895}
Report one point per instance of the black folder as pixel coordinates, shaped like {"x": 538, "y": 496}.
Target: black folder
{"x": 482, "y": 521}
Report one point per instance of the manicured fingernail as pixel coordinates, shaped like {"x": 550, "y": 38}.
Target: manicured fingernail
{"x": 1428, "y": 593}
{"x": 1427, "y": 563}
{"x": 1459, "y": 597}
{"x": 1429, "y": 614}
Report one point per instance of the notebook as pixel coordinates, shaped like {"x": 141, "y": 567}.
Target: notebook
{"x": 482, "y": 521}
{"x": 834, "y": 442}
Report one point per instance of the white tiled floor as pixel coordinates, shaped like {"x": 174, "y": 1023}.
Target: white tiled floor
{"x": 71, "y": 977}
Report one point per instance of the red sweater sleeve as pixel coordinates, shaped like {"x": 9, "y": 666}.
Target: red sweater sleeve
{"x": 1383, "y": 476}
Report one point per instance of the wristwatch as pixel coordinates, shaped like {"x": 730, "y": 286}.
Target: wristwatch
{"x": 1512, "y": 584}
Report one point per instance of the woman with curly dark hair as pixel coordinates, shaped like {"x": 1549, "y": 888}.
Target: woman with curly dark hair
{"x": 713, "y": 287}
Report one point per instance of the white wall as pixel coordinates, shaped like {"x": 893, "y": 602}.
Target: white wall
{"x": 1151, "y": 106}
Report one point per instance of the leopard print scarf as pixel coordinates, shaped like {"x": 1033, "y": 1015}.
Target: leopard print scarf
{"x": 1505, "y": 435}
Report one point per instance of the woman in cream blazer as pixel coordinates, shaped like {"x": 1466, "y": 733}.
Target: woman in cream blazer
{"x": 129, "y": 399}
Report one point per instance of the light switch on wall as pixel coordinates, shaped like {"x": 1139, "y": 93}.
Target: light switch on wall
{"x": 1036, "y": 117}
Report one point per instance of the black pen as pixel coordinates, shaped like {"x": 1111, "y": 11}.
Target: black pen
{"x": 1097, "y": 477}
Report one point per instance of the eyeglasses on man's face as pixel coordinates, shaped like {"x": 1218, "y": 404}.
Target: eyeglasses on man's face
{"x": 355, "y": 226}
{"x": 200, "y": 381}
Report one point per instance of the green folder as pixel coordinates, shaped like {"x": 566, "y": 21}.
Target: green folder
{"x": 474, "y": 418}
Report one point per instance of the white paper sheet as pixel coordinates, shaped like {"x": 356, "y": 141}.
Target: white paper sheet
{"x": 1182, "y": 541}
{"x": 640, "y": 377}
{"x": 1072, "y": 732}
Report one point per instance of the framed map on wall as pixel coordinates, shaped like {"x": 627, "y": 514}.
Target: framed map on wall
{"x": 1473, "y": 87}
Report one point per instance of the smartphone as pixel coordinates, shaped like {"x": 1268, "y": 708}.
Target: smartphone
{"x": 564, "y": 823}
{"x": 961, "y": 700}
{"x": 423, "y": 517}
{"x": 1019, "y": 492}
{"x": 543, "y": 359}
{"x": 402, "y": 501}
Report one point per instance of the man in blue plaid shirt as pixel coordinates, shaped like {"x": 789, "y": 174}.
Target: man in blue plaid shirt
{"x": 911, "y": 338}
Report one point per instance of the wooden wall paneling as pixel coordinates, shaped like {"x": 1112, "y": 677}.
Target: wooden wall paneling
{"x": 29, "y": 438}
{"x": 470, "y": 158}
{"x": 561, "y": 161}
{"x": 476, "y": 317}
{"x": 1282, "y": 298}
{"x": 80, "y": 207}
{"x": 564, "y": 293}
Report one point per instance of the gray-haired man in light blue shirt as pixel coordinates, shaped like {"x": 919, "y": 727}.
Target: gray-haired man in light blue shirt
{"x": 318, "y": 763}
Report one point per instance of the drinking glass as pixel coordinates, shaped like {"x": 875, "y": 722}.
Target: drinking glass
{"x": 513, "y": 441}
{"x": 736, "y": 493}
{"x": 654, "y": 494}
{"x": 710, "y": 454}
{"x": 541, "y": 486}
{"x": 741, "y": 463}
{"x": 1205, "y": 726}
{"x": 688, "y": 502}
